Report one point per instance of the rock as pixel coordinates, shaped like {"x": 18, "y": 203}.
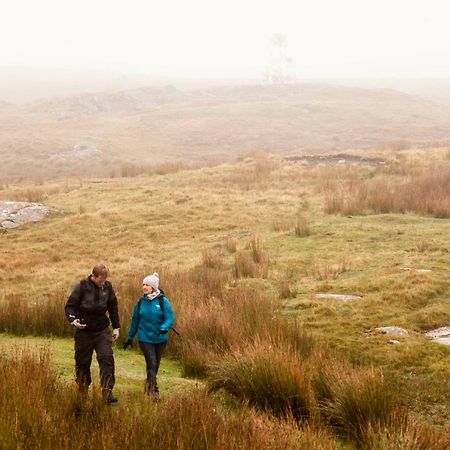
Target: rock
{"x": 341, "y": 297}
{"x": 440, "y": 335}
{"x": 14, "y": 214}
{"x": 393, "y": 330}
{"x": 393, "y": 341}
{"x": 79, "y": 151}
{"x": 415, "y": 270}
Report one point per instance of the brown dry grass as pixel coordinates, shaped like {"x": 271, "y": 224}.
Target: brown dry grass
{"x": 178, "y": 224}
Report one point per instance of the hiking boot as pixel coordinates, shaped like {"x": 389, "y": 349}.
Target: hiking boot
{"x": 110, "y": 399}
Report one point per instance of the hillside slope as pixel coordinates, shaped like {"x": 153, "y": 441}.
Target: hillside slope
{"x": 147, "y": 125}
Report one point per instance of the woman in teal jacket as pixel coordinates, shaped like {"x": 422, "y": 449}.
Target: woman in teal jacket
{"x": 153, "y": 317}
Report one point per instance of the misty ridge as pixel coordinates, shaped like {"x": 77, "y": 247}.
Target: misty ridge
{"x": 95, "y": 132}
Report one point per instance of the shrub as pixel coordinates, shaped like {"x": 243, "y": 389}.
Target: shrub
{"x": 212, "y": 259}
{"x": 352, "y": 400}
{"x": 267, "y": 377}
{"x": 19, "y": 315}
{"x": 252, "y": 262}
{"x": 403, "y": 432}
{"x": 230, "y": 244}
{"x": 217, "y": 325}
{"x": 327, "y": 271}
{"x": 287, "y": 289}
{"x": 425, "y": 192}
{"x": 302, "y": 227}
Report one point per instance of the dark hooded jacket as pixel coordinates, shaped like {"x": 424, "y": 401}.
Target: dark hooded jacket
{"x": 89, "y": 303}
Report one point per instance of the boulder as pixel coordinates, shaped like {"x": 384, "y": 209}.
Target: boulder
{"x": 340, "y": 297}
{"x": 14, "y": 214}
{"x": 393, "y": 331}
{"x": 440, "y": 335}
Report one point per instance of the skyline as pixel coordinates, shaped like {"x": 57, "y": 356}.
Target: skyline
{"x": 212, "y": 40}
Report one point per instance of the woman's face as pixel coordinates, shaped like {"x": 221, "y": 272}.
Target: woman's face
{"x": 147, "y": 288}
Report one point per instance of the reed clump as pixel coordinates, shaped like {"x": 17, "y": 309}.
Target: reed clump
{"x": 38, "y": 411}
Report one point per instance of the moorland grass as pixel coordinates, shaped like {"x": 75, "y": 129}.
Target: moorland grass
{"x": 181, "y": 224}
{"x": 38, "y": 411}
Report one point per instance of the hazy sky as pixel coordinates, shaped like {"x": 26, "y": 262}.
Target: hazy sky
{"x": 229, "y": 38}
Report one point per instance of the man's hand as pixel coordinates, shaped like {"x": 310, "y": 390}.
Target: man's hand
{"x": 115, "y": 334}
{"x": 127, "y": 344}
{"x": 77, "y": 324}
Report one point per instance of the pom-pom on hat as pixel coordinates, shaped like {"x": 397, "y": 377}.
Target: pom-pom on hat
{"x": 152, "y": 280}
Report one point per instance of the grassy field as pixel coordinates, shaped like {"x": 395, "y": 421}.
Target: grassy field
{"x": 130, "y": 366}
{"x": 243, "y": 248}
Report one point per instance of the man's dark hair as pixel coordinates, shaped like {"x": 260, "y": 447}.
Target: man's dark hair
{"x": 100, "y": 270}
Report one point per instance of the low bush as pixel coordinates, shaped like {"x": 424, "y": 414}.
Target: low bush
{"x": 353, "y": 400}
{"x": 267, "y": 377}
{"x": 426, "y": 192}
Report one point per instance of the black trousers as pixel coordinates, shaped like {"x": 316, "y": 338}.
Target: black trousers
{"x": 152, "y": 354}
{"x": 85, "y": 344}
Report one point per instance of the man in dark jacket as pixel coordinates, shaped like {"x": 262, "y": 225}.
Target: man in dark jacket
{"x": 86, "y": 310}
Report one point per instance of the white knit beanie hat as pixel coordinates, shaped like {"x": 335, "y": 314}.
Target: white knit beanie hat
{"x": 152, "y": 280}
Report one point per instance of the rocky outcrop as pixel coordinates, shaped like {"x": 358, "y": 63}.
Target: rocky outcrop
{"x": 340, "y": 297}
{"x": 393, "y": 331}
{"x": 14, "y": 214}
{"x": 440, "y": 335}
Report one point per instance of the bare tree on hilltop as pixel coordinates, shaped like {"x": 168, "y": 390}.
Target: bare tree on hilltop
{"x": 280, "y": 63}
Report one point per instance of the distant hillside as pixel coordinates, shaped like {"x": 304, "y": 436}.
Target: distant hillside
{"x": 150, "y": 125}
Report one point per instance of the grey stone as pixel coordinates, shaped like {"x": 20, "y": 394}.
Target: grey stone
{"x": 438, "y": 332}
{"x": 340, "y": 297}
{"x": 394, "y": 341}
{"x": 415, "y": 270}
{"x": 393, "y": 330}
{"x": 14, "y": 214}
{"x": 440, "y": 335}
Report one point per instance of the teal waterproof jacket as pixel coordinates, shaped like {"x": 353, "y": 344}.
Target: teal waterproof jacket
{"x": 149, "y": 320}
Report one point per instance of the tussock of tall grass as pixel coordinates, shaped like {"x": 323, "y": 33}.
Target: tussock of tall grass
{"x": 314, "y": 386}
{"x": 405, "y": 432}
{"x": 328, "y": 270}
{"x": 212, "y": 327}
{"x": 38, "y": 192}
{"x": 282, "y": 224}
{"x": 287, "y": 289}
{"x": 427, "y": 192}
{"x": 353, "y": 400}
{"x": 125, "y": 170}
{"x": 256, "y": 175}
{"x": 38, "y": 411}
{"x": 266, "y": 377}
{"x": 302, "y": 226}
{"x": 22, "y": 316}
{"x": 230, "y": 244}
{"x": 253, "y": 262}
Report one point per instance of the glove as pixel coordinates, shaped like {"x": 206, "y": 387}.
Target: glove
{"x": 77, "y": 324}
{"x": 163, "y": 331}
{"x": 115, "y": 334}
{"x": 127, "y": 344}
